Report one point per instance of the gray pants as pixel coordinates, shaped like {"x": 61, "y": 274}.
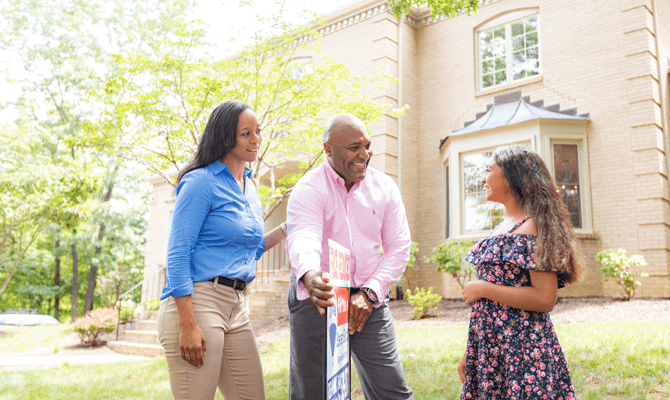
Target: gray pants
{"x": 374, "y": 352}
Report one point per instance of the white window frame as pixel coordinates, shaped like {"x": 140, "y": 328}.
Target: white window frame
{"x": 507, "y": 20}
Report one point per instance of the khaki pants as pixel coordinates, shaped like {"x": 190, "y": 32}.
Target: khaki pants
{"x": 232, "y": 362}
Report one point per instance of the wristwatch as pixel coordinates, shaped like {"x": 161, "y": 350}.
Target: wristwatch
{"x": 370, "y": 294}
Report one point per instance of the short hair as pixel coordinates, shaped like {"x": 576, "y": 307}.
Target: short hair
{"x": 343, "y": 119}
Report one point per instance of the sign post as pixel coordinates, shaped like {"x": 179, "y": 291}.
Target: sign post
{"x": 338, "y": 358}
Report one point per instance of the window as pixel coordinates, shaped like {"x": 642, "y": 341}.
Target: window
{"x": 480, "y": 215}
{"x": 566, "y": 173}
{"x": 508, "y": 51}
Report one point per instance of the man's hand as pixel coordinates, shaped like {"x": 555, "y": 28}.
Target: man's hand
{"x": 359, "y": 311}
{"x": 192, "y": 345}
{"x": 473, "y": 291}
{"x": 320, "y": 289}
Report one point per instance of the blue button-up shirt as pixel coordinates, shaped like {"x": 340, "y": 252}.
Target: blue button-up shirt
{"x": 216, "y": 230}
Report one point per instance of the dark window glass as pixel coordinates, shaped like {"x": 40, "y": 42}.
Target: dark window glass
{"x": 566, "y": 168}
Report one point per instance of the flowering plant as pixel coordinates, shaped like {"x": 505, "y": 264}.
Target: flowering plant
{"x": 94, "y": 322}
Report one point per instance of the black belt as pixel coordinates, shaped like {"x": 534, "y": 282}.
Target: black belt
{"x": 237, "y": 284}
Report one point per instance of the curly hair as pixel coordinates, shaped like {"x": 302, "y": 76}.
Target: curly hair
{"x": 534, "y": 188}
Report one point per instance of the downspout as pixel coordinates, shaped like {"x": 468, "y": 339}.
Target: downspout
{"x": 399, "y": 134}
{"x": 661, "y": 80}
{"x": 664, "y": 117}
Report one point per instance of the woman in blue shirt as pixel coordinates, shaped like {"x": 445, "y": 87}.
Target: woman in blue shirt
{"x": 215, "y": 239}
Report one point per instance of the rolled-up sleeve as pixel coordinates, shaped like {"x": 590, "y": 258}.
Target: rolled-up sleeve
{"x": 305, "y": 215}
{"x": 396, "y": 242}
{"x": 192, "y": 205}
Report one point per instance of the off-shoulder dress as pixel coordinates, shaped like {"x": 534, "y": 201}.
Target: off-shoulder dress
{"x": 512, "y": 353}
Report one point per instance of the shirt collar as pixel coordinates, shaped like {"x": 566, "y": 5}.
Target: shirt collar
{"x": 217, "y": 167}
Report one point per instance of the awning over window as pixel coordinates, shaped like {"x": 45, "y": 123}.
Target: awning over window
{"x": 514, "y": 112}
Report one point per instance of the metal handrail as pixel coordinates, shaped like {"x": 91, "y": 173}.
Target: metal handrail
{"x": 269, "y": 279}
{"x": 127, "y": 292}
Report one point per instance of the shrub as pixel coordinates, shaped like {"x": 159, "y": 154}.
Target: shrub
{"x": 424, "y": 303}
{"x": 617, "y": 267}
{"x": 94, "y": 322}
{"x": 450, "y": 258}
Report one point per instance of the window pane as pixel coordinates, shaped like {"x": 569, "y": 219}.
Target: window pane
{"x": 517, "y": 43}
{"x": 531, "y": 24}
{"x": 566, "y": 168}
{"x": 531, "y": 39}
{"x": 480, "y": 215}
{"x": 487, "y": 80}
{"x": 487, "y": 67}
{"x": 500, "y": 64}
{"x": 517, "y": 28}
{"x": 519, "y": 58}
{"x": 499, "y": 33}
{"x": 501, "y": 77}
{"x": 485, "y": 38}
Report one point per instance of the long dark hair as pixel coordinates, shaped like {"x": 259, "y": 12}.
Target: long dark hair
{"x": 218, "y": 138}
{"x": 534, "y": 188}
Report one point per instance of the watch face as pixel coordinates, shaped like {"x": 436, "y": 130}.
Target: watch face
{"x": 370, "y": 294}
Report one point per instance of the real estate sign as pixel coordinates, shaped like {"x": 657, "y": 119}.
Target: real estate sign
{"x": 338, "y": 371}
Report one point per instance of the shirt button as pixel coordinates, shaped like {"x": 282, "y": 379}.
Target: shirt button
{"x": 246, "y": 247}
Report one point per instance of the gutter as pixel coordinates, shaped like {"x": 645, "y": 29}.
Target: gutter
{"x": 661, "y": 79}
{"x": 399, "y": 134}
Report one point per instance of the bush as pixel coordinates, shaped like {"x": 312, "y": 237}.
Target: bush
{"x": 424, "y": 303}
{"x": 450, "y": 258}
{"x": 617, "y": 267}
{"x": 94, "y": 322}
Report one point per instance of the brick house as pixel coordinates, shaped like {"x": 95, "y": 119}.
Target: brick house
{"x": 584, "y": 84}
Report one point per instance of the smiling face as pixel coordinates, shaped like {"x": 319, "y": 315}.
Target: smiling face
{"x": 248, "y": 138}
{"x": 348, "y": 150}
{"x": 495, "y": 183}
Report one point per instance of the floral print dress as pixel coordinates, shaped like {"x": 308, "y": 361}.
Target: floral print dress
{"x": 512, "y": 353}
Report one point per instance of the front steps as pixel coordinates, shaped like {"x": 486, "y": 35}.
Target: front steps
{"x": 265, "y": 306}
{"x": 269, "y": 302}
{"x": 142, "y": 340}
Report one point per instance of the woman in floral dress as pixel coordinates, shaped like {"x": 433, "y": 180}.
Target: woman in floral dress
{"x": 513, "y": 351}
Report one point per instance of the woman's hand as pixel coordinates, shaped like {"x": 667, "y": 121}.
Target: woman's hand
{"x": 192, "y": 345}
{"x": 191, "y": 341}
{"x": 461, "y": 367}
{"x": 473, "y": 291}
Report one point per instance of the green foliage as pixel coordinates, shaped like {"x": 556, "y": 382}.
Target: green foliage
{"x": 617, "y": 267}
{"x": 95, "y": 322}
{"x": 446, "y": 8}
{"x": 158, "y": 103}
{"x": 424, "y": 302}
{"x": 450, "y": 258}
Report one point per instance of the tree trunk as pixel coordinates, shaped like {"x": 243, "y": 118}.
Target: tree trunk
{"x": 57, "y": 280}
{"x": 93, "y": 272}
{"x": 75, "y": 281}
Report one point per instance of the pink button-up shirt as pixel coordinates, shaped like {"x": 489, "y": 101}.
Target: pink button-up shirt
{"x": 371, "y": 215}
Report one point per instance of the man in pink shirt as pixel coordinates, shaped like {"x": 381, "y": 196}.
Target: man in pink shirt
{"x": 360, "y": 208}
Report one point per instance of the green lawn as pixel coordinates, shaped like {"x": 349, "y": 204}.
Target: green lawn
{"x": 615, "y": 360}
{"x": 16, "y": 340}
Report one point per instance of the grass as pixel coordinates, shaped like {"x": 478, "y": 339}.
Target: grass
{"x": 17, "y": 340}
{"x": 614, "y": 360}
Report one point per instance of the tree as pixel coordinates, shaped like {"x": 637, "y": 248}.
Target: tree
{"x": 446, "y": 8}
{"x": 32, "y": 198}
{"x": 160, "y": 101}
{"x": 66, "y": 50}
